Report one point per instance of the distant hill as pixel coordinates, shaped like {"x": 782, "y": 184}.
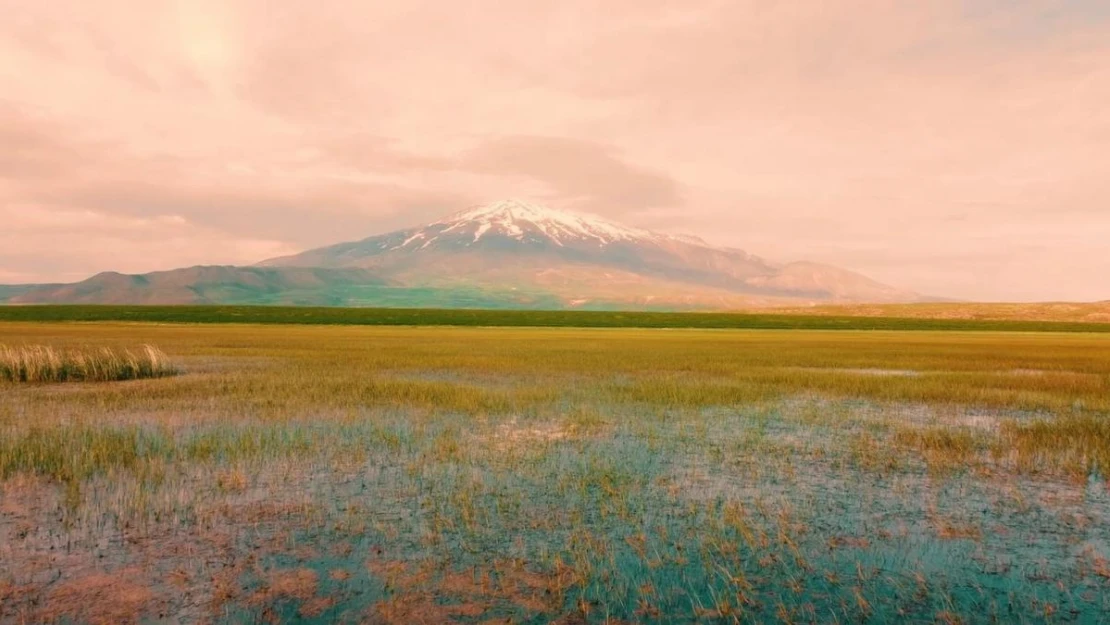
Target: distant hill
{"x": 205, "y": 285}
{"x": 8, "y": 292}
{"x": 508, "y": 254}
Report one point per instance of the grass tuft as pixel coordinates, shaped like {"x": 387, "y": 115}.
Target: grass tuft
{"x": 45, "y": 364}
{"x": 73, "y": 454}
{"x": 1078, "y": 444}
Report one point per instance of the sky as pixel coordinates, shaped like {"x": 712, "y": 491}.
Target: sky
{"x": 959, "y": 149}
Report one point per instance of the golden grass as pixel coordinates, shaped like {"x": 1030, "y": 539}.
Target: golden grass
{"x": 573, "y": 377}
{"x": 1075, "y": 443}
{"x": 43, "y": 363}
{"x": 942, "y": 448}
{"x": 285, "y": 371}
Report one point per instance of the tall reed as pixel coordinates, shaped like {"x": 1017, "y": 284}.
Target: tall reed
{"x": 44, "y": 364}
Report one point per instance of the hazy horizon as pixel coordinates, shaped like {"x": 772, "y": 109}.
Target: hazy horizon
{"x": 958, "y": 149}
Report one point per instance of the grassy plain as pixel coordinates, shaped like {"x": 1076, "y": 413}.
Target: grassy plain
{"x": 1075, "y": 312}
{"x": 438, "y": 474}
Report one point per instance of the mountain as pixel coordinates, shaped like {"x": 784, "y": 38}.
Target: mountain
{"x": 504, "y": 254}
{"x": 581, "y": 258}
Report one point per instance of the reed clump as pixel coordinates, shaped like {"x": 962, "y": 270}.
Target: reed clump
{"x": 46, "y": 364}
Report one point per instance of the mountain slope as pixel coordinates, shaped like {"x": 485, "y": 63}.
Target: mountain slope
{"x": 513, "y": 243}
{"x": 204, "y": 285}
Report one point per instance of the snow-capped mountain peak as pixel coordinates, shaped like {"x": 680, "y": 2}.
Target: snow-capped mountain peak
{"x": 514, "y": 244}
{"x": 517, "y": 219}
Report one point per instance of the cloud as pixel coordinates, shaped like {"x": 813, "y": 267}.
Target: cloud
{"x": 39, "y": 245}
{"x": 924, "y": 143}
{"x": 34, "y": 148}
{"x": 576, "y": 171}
{"x": 55, "y": 169}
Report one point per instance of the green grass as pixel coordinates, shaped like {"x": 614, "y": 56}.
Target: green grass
{"x": 73, "y": 454}
{"x": 521, "y": 318}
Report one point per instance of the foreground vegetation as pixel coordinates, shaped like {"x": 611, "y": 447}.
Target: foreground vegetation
{"x": 44, "y": 364}
{"x": 400, "y": 475}
{"x": 900, "y": 318}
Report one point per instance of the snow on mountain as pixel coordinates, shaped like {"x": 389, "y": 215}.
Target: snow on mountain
{"x": 525, "y": 222}
{"x": 516, "y": 218}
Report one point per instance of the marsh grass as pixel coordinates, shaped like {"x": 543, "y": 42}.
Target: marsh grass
{"x": 44, "y": 364}
{"x": 463, "y": 475}
{"x": 75, "y": 453}
{"x": 1076, "y": 444}
{"x": 944, "y": 448}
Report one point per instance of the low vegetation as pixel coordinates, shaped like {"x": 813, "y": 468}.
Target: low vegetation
{"x": 42, "y": 363}
{"x": 400, "y": 475}
{"x": 899, "y": 319}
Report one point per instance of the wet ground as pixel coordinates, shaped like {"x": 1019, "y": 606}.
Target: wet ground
{"x": 801, "y": 511}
